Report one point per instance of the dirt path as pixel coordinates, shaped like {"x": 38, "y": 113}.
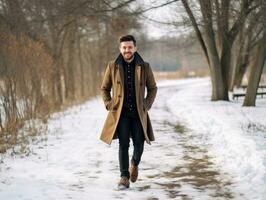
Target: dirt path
{"x": 194, "y": 175}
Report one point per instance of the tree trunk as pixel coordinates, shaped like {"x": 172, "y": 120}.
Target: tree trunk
{"x": 218, "y": 84}
{"x": 239, "y": 50}
{"x": 239, "y": 76}
{"x": 215, "y": 70}
{"x": 81, "y": 67}
{"x": 225, "y": 67}
{"x": 242, "y": 60}
{"x": 255, "y": 73}
{"x": 70, "y": 81}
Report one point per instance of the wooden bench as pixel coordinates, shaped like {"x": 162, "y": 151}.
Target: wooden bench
{"x": 259, "y": 87}
{"x": 237, "y": 95}
{"x": 261, "y": 93}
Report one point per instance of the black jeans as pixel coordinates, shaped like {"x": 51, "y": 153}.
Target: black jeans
{"x": 129, "y": 124}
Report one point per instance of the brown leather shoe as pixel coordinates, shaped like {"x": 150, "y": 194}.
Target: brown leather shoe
{"x": 134, "y": 172}
{"x": 123, "y": 183}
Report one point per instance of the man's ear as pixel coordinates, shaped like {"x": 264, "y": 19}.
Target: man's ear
{"x": 136, "y": 48}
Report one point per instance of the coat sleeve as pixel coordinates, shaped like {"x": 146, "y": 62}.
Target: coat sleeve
{"x": 151, "y": 88}
{"x": 106, "y": 87}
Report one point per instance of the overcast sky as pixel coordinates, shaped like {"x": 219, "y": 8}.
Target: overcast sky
{"x": 164, "y": 14}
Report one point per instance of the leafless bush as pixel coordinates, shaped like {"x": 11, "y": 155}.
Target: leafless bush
{"x": 24, "y": 89}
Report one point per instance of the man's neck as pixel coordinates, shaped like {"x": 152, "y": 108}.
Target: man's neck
{"x": 130, "y": 60}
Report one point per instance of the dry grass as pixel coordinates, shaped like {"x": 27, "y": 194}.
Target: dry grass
{"x": 161, "y": 75}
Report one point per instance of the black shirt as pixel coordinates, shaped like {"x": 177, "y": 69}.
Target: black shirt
{"x": 129, "y": 104}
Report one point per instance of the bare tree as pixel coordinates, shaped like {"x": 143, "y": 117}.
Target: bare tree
{"x": 216, "y": 35}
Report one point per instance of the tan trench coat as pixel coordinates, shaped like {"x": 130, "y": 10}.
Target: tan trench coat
{"x": 114, "y": 79}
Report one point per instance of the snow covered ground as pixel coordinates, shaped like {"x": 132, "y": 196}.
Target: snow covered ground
{"x": 203, "y": 150}
{"x": 236, "y": 135}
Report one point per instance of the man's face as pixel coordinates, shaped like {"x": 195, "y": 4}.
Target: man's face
{"x": 127, "y": 49}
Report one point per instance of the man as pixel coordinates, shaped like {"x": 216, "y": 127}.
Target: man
{"x": 128, "y": 77}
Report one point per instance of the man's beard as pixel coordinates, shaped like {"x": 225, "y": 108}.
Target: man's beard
{"x": 129, "y": 57}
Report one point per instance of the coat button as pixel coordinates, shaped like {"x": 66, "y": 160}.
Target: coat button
{"x": 119, "y": 96}
{"x": 118, "y": 82}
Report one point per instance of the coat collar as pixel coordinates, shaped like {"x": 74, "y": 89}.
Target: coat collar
{"x": 138, "y": 59}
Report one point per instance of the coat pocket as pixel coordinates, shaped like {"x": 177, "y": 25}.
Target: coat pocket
{"x": 115, "y": 105}
{"x": 145, "y": 106}
{"x": 109, "y": 105}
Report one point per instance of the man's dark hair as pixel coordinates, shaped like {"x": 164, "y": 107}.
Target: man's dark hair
{"x": 126, "y": 38}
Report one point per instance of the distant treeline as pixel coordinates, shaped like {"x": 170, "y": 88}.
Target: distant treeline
{"x": 173, "y": 53}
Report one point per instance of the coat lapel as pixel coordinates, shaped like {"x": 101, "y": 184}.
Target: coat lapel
{"x": 138, "y": 74}
{"x": 137, "y": 78}
{"x": 121, "y": 73}
{"x": 119, "y": 67}
{"x": 137, "y": 83}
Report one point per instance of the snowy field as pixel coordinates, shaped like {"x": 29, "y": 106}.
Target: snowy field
{"x": 203, "y": 150}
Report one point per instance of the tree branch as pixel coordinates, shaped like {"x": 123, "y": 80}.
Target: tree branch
{"x": 196, "y": 28}
{"x": 155, "y": 7}
{"x": 241, "y": 19}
